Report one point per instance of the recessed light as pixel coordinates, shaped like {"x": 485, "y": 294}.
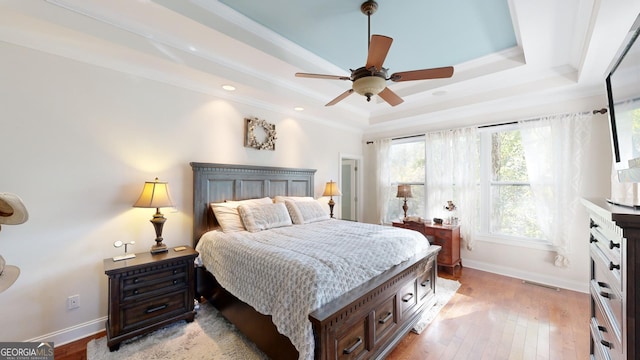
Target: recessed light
{"x": 298, "y": 108}
{"x": 228, "y": 87}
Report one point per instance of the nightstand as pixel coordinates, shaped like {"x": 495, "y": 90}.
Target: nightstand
{"x": 148, "y": 292}
{"x": 447, "y": 236}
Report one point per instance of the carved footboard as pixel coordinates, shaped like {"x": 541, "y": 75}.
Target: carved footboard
{"x": 368, "y": 321}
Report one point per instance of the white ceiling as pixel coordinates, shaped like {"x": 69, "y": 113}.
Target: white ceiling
{"x": 515, "y": 53}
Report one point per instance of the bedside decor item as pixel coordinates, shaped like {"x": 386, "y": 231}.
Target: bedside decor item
{"x": 404, "y": 191}
{"x": 331, "y": 189}
{"x": 256, "y": 129}
{"x": 452, "y": 218}
{"x": 12, "y": 212}
{"x": 155, "y": 194}
{"x": 126, "y": 256}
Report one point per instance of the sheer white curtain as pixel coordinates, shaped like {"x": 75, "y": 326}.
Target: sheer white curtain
{"x": 382, "y": 177}
{"x": 452, "y": 174}
{"x": 554, "y": 150}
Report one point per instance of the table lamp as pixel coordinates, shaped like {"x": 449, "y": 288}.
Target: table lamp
{"x": 331, "y": 190}
{"x": 155, "y": 194}
{"x": 404, "y": 191}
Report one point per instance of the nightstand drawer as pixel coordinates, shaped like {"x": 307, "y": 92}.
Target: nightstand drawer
{"x": 442, "y": 234}
{"x": 154, "y": 283}
{"x": 385, "y": 318}
{"x": 143, "y": 313}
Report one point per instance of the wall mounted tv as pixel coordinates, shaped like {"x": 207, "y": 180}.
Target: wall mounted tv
{"x": 623, "y": 91}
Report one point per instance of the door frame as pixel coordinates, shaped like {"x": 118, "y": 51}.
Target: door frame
{"x": 358, "y": 182}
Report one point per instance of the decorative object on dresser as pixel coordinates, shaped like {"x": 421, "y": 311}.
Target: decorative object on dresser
{"x": 12, "y": 212}
{"x": 615, "y": 269}
{"x": 259, "y": 134}
{"x": 447, "y": 236}
{"x": 126, "y": 255}
{"x": 155, "y": 194}
{"x": 148, "y": 292}
{"x": 331, "y": 189}
{"x": 404, "y": 191}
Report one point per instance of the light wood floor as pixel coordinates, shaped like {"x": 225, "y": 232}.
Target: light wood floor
{"x": 491, "y": 317}
{"x": 496, "y": 317}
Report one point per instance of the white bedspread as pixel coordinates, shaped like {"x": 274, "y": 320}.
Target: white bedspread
{"x": 288, "y": 272}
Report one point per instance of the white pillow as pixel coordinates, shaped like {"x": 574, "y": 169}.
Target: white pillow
{"x": 281, "y": 199}
{"x": 263, "y": 217}
{"x": 227, "y": 213}
{"x": 304, "y": 212}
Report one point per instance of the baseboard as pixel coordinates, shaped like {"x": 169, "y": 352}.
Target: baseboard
{"x": 525, "y": 275}
{"x": 73, "y": 333}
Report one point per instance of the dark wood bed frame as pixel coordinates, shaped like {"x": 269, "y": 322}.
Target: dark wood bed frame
{"x": 366, "y": 322}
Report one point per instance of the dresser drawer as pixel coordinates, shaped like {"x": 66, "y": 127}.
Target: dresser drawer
{"x": 150, "y": 283}
{"x": 606, "y": 340}
{"x": 140, "y": 314}
{"x": 425, "y": 282}
{"x": 606, "y": 285}
{"x": 442, "y": 234}
{"x": 408, "y": 298}
{"x": 609, "y": 245}
{"x": 386, "y": 318}
{"x": 353, "y": 342}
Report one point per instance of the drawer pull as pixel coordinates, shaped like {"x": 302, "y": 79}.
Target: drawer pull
{"x": 593, "y": 224}
{"x": 603, "y": 284}
{"x": 136, "y": 292}
{"x": 613, "y": 245}
{"x": 602, "y": 328}
{"x": 592, "y": 238}
{"x": 175, "y": 281}
{"x": 407, "y": 297}
{"x": 156, "y": 308}
{"x": 605, "y": 343}
{"x": 613, "y": 266}
{"x": 605, "y": 295}
{"x": 175, "y": 271}
{"x": 136, "y": 280}
{"x": 386, "y": 318}
{"x": 425, "y": 283}
{"x": 353, "y": 347}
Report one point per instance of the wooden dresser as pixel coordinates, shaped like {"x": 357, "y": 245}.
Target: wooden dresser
{"x": 615, "y": 271}
{"x": 148, "y": 292}
{"x": 447, "y": 236}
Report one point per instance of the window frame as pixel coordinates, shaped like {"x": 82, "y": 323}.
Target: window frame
{"x": 394, "y": 184}
{"x": 485, "y": 205}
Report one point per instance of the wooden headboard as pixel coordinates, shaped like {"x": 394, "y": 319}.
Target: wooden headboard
{"x": 220, "y": 182}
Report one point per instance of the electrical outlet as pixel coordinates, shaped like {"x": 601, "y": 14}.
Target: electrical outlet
{"x": 73, "y": 302}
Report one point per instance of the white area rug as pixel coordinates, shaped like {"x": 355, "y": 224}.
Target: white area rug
{"x": 210, "y": 336}
{"x": 445, "y": 289}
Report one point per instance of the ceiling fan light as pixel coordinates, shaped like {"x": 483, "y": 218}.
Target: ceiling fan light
{"x": 369, "y": 85}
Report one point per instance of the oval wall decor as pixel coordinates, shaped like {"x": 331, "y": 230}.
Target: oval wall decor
{"x": 259, "y": 134}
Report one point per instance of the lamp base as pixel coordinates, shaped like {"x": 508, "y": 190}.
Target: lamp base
{"x": 159, "y": 248}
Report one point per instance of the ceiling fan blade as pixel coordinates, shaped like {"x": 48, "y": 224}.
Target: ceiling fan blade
{"x": 340, "y": 97}
{"x": 424, "y": 74}
{"x": 378, "y": 49}
{"x": 321, "y": 76}
{"x": 390, "y": 97}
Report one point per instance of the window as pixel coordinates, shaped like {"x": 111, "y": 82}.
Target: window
{"x": 407, "y": 166}
{"x": 507, "y": 207}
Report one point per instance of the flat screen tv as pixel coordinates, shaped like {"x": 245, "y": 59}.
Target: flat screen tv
{"x": 623, "y": 91}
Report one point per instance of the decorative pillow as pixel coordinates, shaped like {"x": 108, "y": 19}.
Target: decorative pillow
{"x": 304, "y": 212}
{"x": 227, "y": 213}
{"x": 263, "y": 217}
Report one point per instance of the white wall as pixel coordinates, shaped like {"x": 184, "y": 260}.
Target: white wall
{"x": 530, "y": 263}
{"x": 78, "y": 142}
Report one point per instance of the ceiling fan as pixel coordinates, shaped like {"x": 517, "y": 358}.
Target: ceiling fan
{"x": 371, "y": 79}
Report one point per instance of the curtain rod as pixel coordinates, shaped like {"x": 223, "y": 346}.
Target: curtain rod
{"x": 400, "y": 138}
{"x": 595, "y": 111}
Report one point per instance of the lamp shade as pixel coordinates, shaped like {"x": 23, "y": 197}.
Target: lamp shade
{"x": 331, "y": 189}
{"x": 404, "y": 191}
{"x": 155, "y": 194}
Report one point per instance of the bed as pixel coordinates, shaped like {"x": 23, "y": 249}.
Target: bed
{"x": 365, "y": 320}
